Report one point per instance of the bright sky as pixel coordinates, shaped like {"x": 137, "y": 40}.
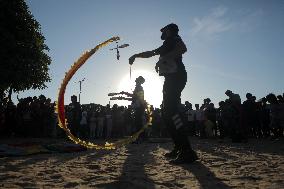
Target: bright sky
{"x": 235, "y": 45}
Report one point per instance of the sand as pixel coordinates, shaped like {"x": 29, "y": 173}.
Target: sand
{"x": 257, "y": 164}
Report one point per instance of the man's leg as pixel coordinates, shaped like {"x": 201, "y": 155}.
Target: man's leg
{"x": 173, "y": 119}
{"x": 167, "y": 113}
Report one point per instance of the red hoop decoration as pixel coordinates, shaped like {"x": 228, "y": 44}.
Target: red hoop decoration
{"x": 59, "y": 109}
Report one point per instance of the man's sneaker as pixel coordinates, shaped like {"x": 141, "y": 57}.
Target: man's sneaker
{"x": 183, "y": 157}
{"x": 173, "y": 154}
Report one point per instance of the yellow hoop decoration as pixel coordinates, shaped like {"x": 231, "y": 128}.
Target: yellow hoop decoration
{"x": 59, "y": 108}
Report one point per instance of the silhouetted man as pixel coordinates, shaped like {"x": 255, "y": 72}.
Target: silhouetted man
{"x": 139, "y": 105}
{"x": 238, "y": 133}
{"x": 190, "y": 116}
{"x": 75, "y": 115}
{"x": 171, "y": 67}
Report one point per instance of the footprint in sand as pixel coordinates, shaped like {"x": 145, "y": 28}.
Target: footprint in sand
{"x": 92, "y": 178}
{"x": 71, "y": 185}
{"x": 57, "y": 176}
{"x": 152, "y": 174}
{"x": 166, "y": 184}
{"x": 94, "y": 167}
{"x": 179, "y": 185}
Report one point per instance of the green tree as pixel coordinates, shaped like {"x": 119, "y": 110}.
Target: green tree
{"x": 23, "y": 55}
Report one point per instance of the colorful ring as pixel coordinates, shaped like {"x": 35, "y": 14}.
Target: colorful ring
{"x": 59, "y": 108}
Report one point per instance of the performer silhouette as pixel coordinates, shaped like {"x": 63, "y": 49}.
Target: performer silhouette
{"x": 170, "y": 66}
{"x": 138, "y": 105}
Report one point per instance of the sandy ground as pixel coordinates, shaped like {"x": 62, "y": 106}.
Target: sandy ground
{"x": 257, "y": 164}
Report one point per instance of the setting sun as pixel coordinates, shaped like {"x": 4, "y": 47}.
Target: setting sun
{"x": 152, "y": 87}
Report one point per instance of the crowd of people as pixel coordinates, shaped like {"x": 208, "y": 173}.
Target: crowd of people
{"x": 35, "y": 117}
{"x": 236, "y": 120}
{"x": 93, "y": 121}
{"x": 31, "y": 117}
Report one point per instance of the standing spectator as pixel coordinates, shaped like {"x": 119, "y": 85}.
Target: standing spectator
{"x": 250, "y": 115}
{"x": 115, "y": 120}
{"x": 220, "y": 119}
{"x": 264, "y": 118}
{"x": 190, "y": 116}
{"x": 210, "y": 114}
{"x": 25, "y": 117}
{"x": 108, "y": 122}
{"x": 75, "y": 115}
{"x": 199, "y": 120}
{"x": 49, "y": 118}
{"x": 83, "y": 130}
{"x": 42, "y": 122}
{"x": 276, "y": 116}
{"x": 228, "y": 117}
{"x": 37, "y": 121}
{"x": 53, "y": 121}
{"x": 101, "y": 122}
{"x": 238, "y": 133}
{"x": 10, "y": 119}
{"x": 93, "y": 124}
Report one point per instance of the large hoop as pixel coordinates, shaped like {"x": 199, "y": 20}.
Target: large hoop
{"x": 59, "y": 109}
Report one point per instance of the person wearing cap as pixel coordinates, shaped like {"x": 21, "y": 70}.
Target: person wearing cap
{"x": 170, "y": 66}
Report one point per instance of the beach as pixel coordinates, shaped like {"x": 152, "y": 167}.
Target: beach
{"x": 222, "y": 164}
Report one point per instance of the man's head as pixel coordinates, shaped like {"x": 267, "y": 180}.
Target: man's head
{"x": 229, "y": 93}
{"x": 272, "y": 99}
{"x": 73, "y": 98}
{"x": 169, "y": 30}
{"x": 188, "y": 104}
{"x": 206, "y": 101}
{"x": 196, "y": 106}
{"x": 140, "y": 80}
{"x": 248, "y": 96}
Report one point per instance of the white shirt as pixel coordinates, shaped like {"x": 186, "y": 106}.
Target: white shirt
{"x": 84, "y": 118}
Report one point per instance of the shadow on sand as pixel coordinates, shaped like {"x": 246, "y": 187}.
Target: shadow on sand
{"x": 133, "y": 173}
{"x": 205, "y": 177}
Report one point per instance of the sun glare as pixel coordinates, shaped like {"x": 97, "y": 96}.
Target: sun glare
{"x": 152, "y": 87}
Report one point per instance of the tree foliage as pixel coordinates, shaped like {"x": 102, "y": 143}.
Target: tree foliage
{"x": 24, "y": 63}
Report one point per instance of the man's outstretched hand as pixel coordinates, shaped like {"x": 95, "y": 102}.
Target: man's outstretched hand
{"x": 132, "y": 59}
